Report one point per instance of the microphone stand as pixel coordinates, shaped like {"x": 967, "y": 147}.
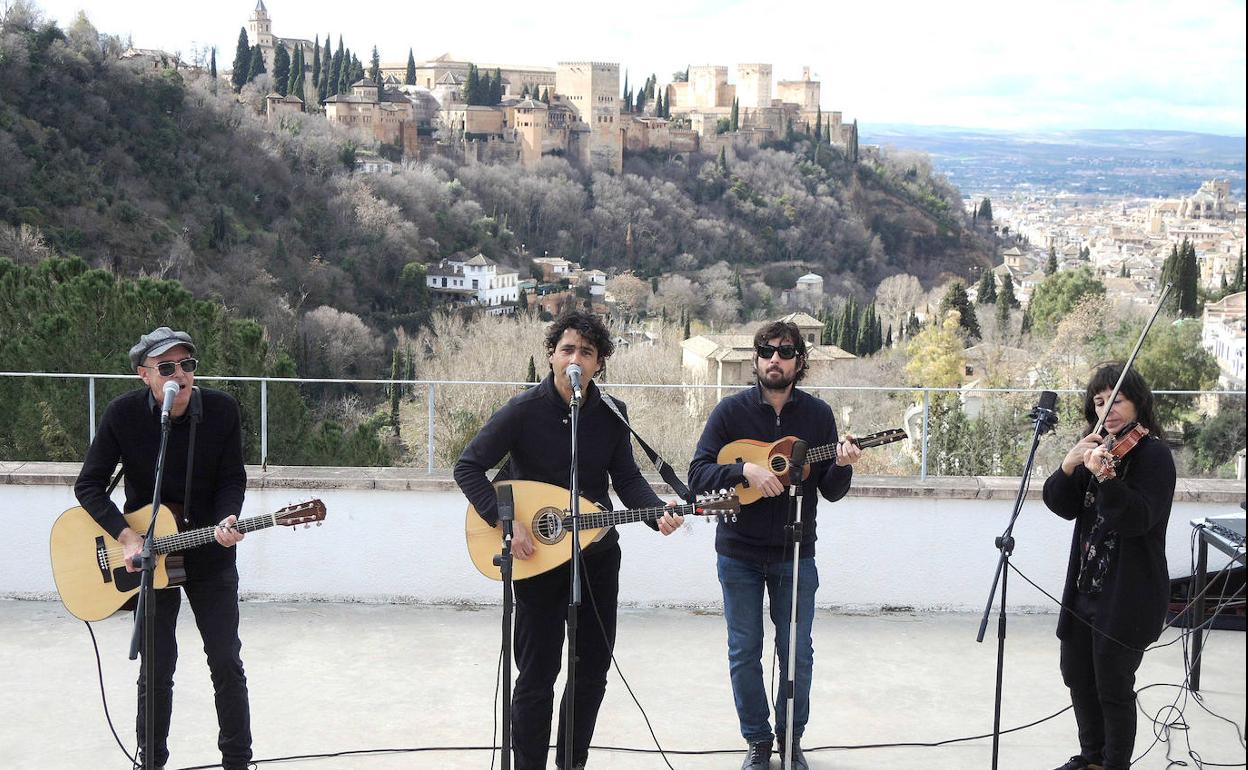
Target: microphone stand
{"x": 574, "y": 590}
{"x": 145, "y": 612}
{"x": 506, "y": 516}
{"x": 1045, "y": 419}
{"x": 797, "y": 461}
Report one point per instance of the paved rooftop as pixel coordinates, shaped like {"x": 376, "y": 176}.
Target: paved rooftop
{"x": 334, "y": 677}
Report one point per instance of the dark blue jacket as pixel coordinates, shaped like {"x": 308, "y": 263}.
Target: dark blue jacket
{"x": 758, "y": 535}
{"x": 535, "y": 429}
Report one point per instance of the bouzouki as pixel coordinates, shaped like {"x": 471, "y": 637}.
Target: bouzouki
{"x": 543, "y": 509}
{"x": 91, "y": 575}
{"x": 775, "y": 456}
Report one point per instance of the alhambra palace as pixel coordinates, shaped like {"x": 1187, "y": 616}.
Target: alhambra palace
{"x": 580, "y": 117}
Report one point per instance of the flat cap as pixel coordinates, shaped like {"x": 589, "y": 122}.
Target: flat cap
{"x": 158, "y": 341}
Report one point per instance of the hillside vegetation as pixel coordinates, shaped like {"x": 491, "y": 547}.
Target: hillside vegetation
{"x": 167, "y": 174}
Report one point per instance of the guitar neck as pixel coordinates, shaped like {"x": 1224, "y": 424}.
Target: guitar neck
{"x": 194, "y": 538}
{"x": 601, "y": 519}
{"x": 821, "y": 453}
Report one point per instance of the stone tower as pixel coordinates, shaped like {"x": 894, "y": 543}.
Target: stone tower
{"x": 754, "y": 86}
{"x": 260, "y": 26}
{"x": 531, "y": 119}
{"x": 592, "y": 89}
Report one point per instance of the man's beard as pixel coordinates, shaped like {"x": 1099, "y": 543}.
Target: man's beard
{"x": 777, "y": 380}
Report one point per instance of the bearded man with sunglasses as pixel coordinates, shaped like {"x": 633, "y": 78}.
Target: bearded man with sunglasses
{"x": 204, "y": 482}
{"x": 755, "y": 551}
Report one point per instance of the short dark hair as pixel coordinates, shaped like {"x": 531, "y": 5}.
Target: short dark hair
{"x": 1134, "y": 388}
{"x": 588, "y": 326}
{"x": 785, "y": 331}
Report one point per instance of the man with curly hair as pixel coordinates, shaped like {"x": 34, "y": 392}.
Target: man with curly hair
{"x": 534, "y": 431}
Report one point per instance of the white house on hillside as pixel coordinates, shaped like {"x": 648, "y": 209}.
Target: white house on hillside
{"x": 479, "y": 281}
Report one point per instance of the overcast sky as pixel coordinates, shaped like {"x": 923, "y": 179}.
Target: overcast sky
{"x": 1059, "y": 64}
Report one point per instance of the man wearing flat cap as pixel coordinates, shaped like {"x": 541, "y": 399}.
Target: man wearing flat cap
{"x": 204, "y": 482}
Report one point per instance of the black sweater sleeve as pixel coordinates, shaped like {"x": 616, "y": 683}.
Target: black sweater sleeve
{"x": 232, "y": 478}
{"x": 834, "y": 484}
{"x": 1064, "y": 494}
{"x": 1134, "y": 505}
{"x": 91, "y": 488}
{"x": 491, "y": 444}
{"x": 705, "y": 472}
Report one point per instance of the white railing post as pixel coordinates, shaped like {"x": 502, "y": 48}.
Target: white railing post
{"x": 264, "y": 422}
{"x": 91, "y": 410}
{"x": 926, "y": 412}
{"x": 429, "y": 398}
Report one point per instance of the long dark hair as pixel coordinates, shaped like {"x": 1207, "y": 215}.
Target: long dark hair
{"x": 1134, "y": 389}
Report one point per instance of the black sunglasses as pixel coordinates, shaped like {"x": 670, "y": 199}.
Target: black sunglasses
{"x": 167, "y": 368}
{"x": 767, "y": 351}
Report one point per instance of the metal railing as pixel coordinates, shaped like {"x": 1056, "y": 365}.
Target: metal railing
{"x": 919, "y": 396}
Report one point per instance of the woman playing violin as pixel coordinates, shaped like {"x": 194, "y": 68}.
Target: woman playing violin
{"x": 1118, "y": 490}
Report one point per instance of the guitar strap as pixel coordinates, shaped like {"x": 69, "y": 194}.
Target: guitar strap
{"x": 665, "y": 470}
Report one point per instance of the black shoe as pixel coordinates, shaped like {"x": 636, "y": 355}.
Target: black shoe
{"x": 758, "y": 757}
{"x": 799, "y": 759}
{"x": 1079, "y": 763}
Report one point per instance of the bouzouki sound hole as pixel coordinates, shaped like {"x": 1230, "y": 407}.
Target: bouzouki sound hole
{"x": 779, "y": 464}
{"x": 548, "y": 526}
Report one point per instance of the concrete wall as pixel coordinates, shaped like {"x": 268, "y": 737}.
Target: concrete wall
{"x": 407, "y": 545}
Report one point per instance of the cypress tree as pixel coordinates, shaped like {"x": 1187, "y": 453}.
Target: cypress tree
{"x": 374, "y": 69}
{"x": 357, "y": 69}
{"x": 316, "y": 62}
{"x": 818, "y": 122}
{"x": 410, "y": 77}
{"x": 735, "y": 119}
{"x": 257, "y": 64}
{"x": 1237, "y": 283}
{"x": 212, "y": 67}
{"x": 1050, "y": 267}
{"x": 985, "y": 210}
{"x": 336, "y": 67}
{"x": 496, "y": 87}
{"x": 531, "y": 375}
{"x": 281, "y": 69}
{"x": 888, "y": 341}
{"x": 1006, "y": 296}
{"x": 1003, "y": 316}
{"x": 1189, "y": 273}
{"x": 986, "y": 293}
{"x": 546, "y": 95}
{"x": 242, "y": 62}
{"x": 625, "y": 97}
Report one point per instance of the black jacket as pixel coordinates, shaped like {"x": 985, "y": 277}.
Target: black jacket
{"x": 130, "y": 433}
{"x": 759, "y": 532}
{"x": 535, "y": 428}
{"x": 1131, "y": 606}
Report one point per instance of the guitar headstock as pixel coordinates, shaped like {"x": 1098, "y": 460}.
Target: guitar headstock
{"x": 881, "y": 438}
{"x": 301, "y": 513}
{"x": 721, "y": 503}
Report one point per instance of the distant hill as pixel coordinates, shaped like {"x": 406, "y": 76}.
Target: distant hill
{"x": 1109, "y": 162}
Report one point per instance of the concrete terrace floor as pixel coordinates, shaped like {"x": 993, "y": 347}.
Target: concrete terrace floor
{"x": 328, "y": 678}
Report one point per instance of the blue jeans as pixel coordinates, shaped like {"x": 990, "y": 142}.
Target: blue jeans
{"x": 743, "y": 583}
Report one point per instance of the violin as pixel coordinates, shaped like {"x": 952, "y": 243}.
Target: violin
{"x": 1118, "y": 446}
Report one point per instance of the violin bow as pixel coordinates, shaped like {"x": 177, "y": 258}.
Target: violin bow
{"x": 1100, "y": 423}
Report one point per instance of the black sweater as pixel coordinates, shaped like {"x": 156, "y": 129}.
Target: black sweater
{"x": 130, "y": 433}
{"x": 758, "y": 535}
{"x": 1132, "y": 601}
{"x": 535, "y": 428}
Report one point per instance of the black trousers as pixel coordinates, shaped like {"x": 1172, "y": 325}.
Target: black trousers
{"x": 541, "y": 617}
{"x": 214, "y": 601}
{"x": 1101, "y": 676}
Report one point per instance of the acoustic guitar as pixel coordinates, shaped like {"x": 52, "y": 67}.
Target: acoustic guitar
{"x": 543, "y": 509}
{"x": 775, "y": 456}
{"x": 91, "y": 575}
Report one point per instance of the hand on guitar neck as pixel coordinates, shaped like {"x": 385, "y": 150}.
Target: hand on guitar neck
{"x": 225, "y": 533}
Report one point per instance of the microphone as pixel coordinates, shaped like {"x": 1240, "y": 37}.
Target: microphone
{"x": 574, "y": 374}
{"x": 1045, "y": 411}
{"x": 506, "y": 504}
{"x": 796, "y": 462}
{"x": 171, "y": 392}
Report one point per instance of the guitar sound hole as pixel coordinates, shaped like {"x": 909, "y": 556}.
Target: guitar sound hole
{"x": 779, "y": 465}
{"x": 548, "y": 526}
